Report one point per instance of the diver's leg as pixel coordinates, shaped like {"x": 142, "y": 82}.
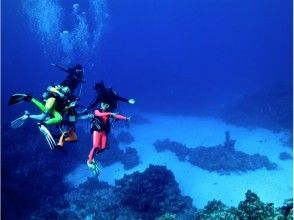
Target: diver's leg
{"x": 72, "y": 136}
{"x": 62, "y": 139}
{"x": 103, "y": 141}
{"x": 57, "y": 118}
{"x": 45, "y": 109}
{"x": 39, "y": 104}
{"x": 67, "y": 136}
{"x": 96, "y": 140}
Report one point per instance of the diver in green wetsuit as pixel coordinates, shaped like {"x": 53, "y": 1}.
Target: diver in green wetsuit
{"x": 54, "y": 96}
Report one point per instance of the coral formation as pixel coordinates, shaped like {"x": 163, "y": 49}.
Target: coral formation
{"x": 148, "y": 195}
{"x": 222, "y": 158}
{"x": 253, "y": 208}
{"x": 153, "y": 192}
{"x": 285, "y": 156}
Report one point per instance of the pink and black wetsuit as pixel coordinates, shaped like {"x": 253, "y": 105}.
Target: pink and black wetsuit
{"x": 100, "y": 129}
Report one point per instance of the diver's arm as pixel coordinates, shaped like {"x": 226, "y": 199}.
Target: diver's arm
{"x": 60, "y": 67}
{"x": 130, "y": 101}
{"x": 55, "y": 91}
{"x": 85, "y": 116}
{"x": 100, "y": 114}
{"x": 121, "y": 98}
{"x": 120, "y": 116}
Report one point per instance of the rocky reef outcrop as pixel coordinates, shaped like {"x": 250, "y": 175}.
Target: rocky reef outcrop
{"x": 222, "y": 158}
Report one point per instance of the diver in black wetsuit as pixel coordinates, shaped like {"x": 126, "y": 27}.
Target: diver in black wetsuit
{"x": 74, "y": 77}
{"x": 109, "y": 96}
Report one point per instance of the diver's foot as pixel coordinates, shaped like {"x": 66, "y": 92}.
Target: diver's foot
{"x": 20, "y": 121}
{"x": 50, "y": 140}
{"x": 94, "y": 167}
{"x": 27, "y": 113}
{"x": 18, "y": 98}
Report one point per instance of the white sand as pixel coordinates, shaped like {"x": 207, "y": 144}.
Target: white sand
{"x": 201, "y": 185}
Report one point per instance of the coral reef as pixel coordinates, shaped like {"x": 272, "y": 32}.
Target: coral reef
{"x": 113, "y": 154}
{"x": 285, "y": 156}
{"x": 216, "y": 210}
{"x": 253, "y": 208}
{"x": 148, "y": 195}
{"x": 286, "y": 211}
{"x": 222, "y": 158}
{"x": 153, "y": 193}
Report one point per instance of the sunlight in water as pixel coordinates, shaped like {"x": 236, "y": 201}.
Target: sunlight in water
{"x": 77, "y": 41}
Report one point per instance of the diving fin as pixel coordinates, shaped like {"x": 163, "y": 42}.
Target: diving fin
{"x": 20, "y": 121}
{"x": 94, "y": 167}
{"x": 18, "y": 98}
{"x": 50, "y": 140}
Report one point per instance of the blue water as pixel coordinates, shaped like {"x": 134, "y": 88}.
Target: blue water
{"x": 174, "y": 57}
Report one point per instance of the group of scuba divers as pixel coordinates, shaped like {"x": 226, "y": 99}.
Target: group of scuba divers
{"x": 59, "y": 107}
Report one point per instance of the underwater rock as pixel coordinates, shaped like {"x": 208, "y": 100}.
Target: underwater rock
{"x": 285, "y": 156}
{"x": 130, "y": 158}
{"x": 179, "y": 149}
{"x": 125, "y": 137}
{"x": 216, "y": 210}
{"x": 221, "y": 158}
{"x": 167, "y": 216}
{"x": 152, "y": 193}
{"x": 253, "y": 208}
{"x": 147, "y": 195}
{"x": 113, "y": 154}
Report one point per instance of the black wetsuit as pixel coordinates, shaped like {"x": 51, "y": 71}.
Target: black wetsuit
{"x": 109, "y": 96}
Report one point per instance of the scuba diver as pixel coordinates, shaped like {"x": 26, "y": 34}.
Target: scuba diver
{"x": 109, "y": 96}
{"x": 68, "y": 110}
{"x": 100, "y": 128}
{"x": 67, "y": 126}
{"x": 58, "y": 100}
{"x": 74, "y": 76}
{"x": 54, "y": 96}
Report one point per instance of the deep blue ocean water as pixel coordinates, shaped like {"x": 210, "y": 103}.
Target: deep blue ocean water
{"x": 174, "y": 57}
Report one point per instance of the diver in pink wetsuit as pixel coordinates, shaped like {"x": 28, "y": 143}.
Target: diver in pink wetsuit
{"x": 100, "y": 128}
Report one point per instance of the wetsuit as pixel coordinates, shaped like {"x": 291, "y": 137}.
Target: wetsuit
{"x": 109, "y": 96}
{"x": 100, "y": 129}
{"x": 74, "y": 76}
{"x": 52, "y": 97}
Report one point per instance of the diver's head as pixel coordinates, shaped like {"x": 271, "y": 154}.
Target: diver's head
{"x": 104, "y": 106}
{"x": 65, "y": 89}
{"x": 99, "y": 86}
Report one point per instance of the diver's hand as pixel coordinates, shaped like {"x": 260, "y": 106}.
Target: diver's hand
{"x": 131, "y": 101}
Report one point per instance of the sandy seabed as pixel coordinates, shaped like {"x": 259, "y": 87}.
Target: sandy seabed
{"x": 201, "y": 185}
